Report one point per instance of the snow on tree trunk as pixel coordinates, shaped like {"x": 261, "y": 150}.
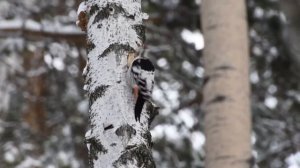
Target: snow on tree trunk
{"x": 226, "y": 101}
{"x": 115, "y": 139}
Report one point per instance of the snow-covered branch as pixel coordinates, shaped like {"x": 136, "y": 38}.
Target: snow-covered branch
{"x": 33, "y": 30}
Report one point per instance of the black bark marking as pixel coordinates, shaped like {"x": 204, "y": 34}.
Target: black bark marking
{"x": 90, "y": 47}
{"x": 95, "y": 148}
{"x": 250, "y": 161}
{"x": 88, "y": 81}
{"x": 102, "y": 14}
{"x": 99, "y": 26}
{"x": 217, "y": 99}
{"x": 224, "y": 68}
{"x": 99, "y": 91}
{"x": 140, "y": 153}
{"x": 90, "y": 160}
{"x": 94, "y": 9}
{"x": 116, "y": 47}
{"x": 205, "y": 80}
{"x": 140, "y": 31}
{"x": 111, "y": 9}
{"x": 131, "y": 17}
{"x": 108, "y": 127}
{"x": 126, "y": 130}
{"x": 208, "y": 78}
{"x": 147, "y": 136}
{"x": 113, "y": 144}
{"x": 91, "y": 116}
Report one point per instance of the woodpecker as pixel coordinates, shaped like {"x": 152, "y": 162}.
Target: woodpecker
{"x": 141, "y": 78}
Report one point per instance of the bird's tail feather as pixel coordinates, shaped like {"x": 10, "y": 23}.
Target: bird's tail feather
{"x": 139, "y": 107}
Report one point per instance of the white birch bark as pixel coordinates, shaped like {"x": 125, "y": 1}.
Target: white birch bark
{"x": 115, "y": 140}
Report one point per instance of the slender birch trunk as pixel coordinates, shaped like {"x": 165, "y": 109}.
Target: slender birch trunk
{"x": 226, "y": 87}
{"x": 115, "y": 140}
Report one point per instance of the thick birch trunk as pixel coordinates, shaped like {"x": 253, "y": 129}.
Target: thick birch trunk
{"x": 115, "y": 140}
{"x": 226, "y": 88}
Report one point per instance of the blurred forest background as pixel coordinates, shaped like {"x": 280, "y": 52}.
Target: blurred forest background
{"x": 43, "y": 109}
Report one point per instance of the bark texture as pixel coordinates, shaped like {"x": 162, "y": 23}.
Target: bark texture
{"x": 115, "y": 140}
{"x": 226, "y": 87}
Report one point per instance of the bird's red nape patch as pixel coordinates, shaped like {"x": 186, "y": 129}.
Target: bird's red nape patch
{"x": 135, "y": 91}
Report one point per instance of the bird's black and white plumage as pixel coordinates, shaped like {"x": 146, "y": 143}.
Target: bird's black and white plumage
{"x": 141, "y": 76}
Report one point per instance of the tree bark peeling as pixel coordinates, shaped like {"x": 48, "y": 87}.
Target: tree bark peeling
{"x": 98, "y": 93}
{"x": 115, "y": 138}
